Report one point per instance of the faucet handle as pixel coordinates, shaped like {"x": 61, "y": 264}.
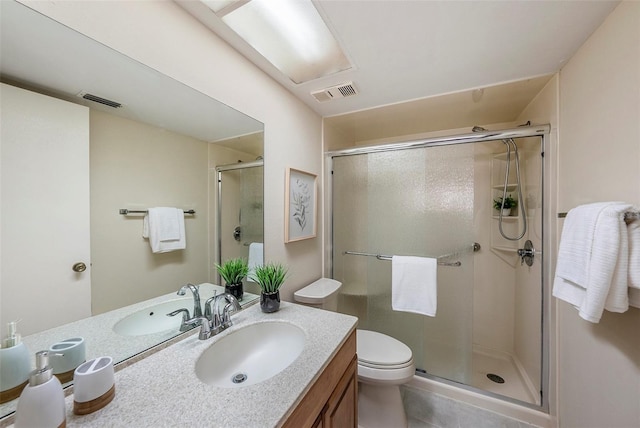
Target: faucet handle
{"x": 232, "y": 305}
{"x": 208, "y": 313}
{"x": 205, "y": 327}
{"x": 185, "y": 316}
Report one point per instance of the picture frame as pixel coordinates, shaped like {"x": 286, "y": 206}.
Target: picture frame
{"x": 301, "y": 202}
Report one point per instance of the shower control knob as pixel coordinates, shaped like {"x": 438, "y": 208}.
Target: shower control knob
{"x": 527, "y": 253}
{"x": 79, "y": 267}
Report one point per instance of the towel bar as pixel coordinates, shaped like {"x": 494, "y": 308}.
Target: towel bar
{"x": 628, "y": 216}
{"x": 475, "y": 247}
{"x": 125, "y": 211}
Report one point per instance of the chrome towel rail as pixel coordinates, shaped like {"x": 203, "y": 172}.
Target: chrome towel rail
{"x": 475, "y": 247}
{"x": 628, "y": 216}
{"x": 125, "y": 211}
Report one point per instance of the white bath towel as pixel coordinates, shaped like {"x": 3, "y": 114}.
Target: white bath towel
{"x": 414, "y": 285}
{"x": 164, "y": 226}
{"x": 592, "y": 266}
{"x": 256, "y": 258}
{"x": 633, "y": 231}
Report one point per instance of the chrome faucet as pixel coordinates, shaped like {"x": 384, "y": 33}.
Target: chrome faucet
{"x": 205, "y": 327}
{"x": 216, "y": 320}
{"x": 197, "y": 310}
{"x": 185, "y": 317}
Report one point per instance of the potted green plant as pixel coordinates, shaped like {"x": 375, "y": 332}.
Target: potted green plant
{"x": 233, "y": 272}
{"x": 270, "y": 277}
{"x": 505, "y": 205}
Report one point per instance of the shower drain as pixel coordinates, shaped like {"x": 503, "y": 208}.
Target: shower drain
{"x": 238, "y": 378}
{"x": 495, "y": 378}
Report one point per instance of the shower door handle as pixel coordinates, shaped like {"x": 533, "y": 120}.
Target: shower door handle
{"x": 527, "y": 253}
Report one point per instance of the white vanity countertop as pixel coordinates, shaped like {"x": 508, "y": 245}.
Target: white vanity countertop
{"x": 101, "y": 340}
{"x": 163, "y": 390}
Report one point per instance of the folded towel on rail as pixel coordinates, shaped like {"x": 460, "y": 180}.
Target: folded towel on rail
{"x": 256, "y": 258}
{"x": 414, "y": 285}
{"x": 633, "y": 230}
{"x": 164, "y": 226}
{"x": 593, "y": 260}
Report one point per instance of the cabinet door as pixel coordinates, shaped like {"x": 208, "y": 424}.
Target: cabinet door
{"x": 44, "y": 153}
{"x": 342, "y": 408}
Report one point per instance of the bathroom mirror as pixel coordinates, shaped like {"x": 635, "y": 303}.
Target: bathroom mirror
{"x": 159, "y": 149}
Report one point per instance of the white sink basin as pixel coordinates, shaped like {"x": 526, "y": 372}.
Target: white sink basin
{"x": 251, "y": 354}
{"x": 153, "y": 319}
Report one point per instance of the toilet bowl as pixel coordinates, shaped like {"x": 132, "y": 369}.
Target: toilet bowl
{"x": 384, "y": 363}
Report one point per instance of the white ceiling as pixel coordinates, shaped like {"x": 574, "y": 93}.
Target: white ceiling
{"x": 405, "y": 50}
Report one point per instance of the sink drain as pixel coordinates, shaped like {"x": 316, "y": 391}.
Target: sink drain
{"x": 495, "y": 378}
{"x": 238, "y": 378}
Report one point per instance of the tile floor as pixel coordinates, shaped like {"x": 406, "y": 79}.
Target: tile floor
{"x": 426, "y": 409}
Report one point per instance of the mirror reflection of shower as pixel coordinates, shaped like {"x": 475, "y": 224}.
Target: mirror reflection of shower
{"x": 511, "y": 145}
{"x": 240, "y": 225}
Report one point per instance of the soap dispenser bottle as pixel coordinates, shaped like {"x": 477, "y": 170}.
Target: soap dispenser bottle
{"x": 41, "y": 403}
{"x": 15, "y": 365}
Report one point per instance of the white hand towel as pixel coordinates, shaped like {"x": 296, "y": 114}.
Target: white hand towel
{"x": 633, "y": 231}
{"x": 164, "y": 226}
{"x": 414, "y": 285}
{"x": 591, "y": 271}
{"x": 256, "y": 255}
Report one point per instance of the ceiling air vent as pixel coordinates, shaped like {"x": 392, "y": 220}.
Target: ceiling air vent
{"x": 97, "y": 99}
{"x": 339, "y": 91}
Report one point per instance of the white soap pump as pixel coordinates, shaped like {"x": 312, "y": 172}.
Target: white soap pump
{"x": 41, "y": 403}
{"x": 15, "y": 365}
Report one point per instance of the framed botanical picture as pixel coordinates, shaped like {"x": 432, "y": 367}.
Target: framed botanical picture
{"x": 300, "y": 205}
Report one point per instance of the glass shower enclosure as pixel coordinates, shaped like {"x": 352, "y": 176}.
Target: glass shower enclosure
{"x": 437, "y": 201}
{"x": 240, "y": 220}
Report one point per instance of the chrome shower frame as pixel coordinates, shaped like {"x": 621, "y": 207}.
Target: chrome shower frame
{"x": 219, "y": 170}
{"x": 541, "y": 131}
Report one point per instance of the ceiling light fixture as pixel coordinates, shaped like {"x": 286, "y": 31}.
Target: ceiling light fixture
{"x": 288, "y": 33}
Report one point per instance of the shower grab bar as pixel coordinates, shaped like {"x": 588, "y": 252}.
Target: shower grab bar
{"x": 475, "y": 247}
{"x": 629, "y": 216}
{"x": 124, "y": 211}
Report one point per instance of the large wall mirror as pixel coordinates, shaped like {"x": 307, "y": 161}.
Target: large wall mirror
{"x": 161, "y": 147}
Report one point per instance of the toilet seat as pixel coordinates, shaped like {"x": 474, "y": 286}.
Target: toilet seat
{"x": 383, "y": 359}
{"x": 380, "y": 351}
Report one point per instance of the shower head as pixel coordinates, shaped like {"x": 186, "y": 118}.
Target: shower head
{"x": 477, "y": 129}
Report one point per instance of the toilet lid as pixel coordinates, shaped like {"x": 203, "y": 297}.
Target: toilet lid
{"x": 381, "y": 350}
{"x": 317, "y": 292}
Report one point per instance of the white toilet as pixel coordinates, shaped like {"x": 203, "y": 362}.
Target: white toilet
{"x": 384, "y": 363}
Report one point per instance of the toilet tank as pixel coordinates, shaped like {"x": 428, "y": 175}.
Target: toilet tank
{"x": 322, "y": 293}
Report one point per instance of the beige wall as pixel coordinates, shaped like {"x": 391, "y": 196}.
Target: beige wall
{"x": 136, "y": 166}
{"x": 193, "y": 55}
{"x": 599, "y": 149}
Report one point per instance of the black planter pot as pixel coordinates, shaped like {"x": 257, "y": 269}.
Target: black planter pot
{"x": 235, "y": 290}
{"x": 270, "y": 302}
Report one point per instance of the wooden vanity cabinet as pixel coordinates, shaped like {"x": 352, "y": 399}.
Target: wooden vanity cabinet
{"x": 332, "y": 401}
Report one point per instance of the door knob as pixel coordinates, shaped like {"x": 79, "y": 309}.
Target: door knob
{"x": 79, "y": 267}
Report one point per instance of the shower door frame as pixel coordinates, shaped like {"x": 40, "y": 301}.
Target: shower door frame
{"x": 219, "y": 170}
{"x": 542, "y": 131}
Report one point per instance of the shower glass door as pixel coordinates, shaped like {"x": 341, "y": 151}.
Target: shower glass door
{"x": 439, "y": 200}
{"x": 416, "y": 202}
{"x": 240, "y": 214}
